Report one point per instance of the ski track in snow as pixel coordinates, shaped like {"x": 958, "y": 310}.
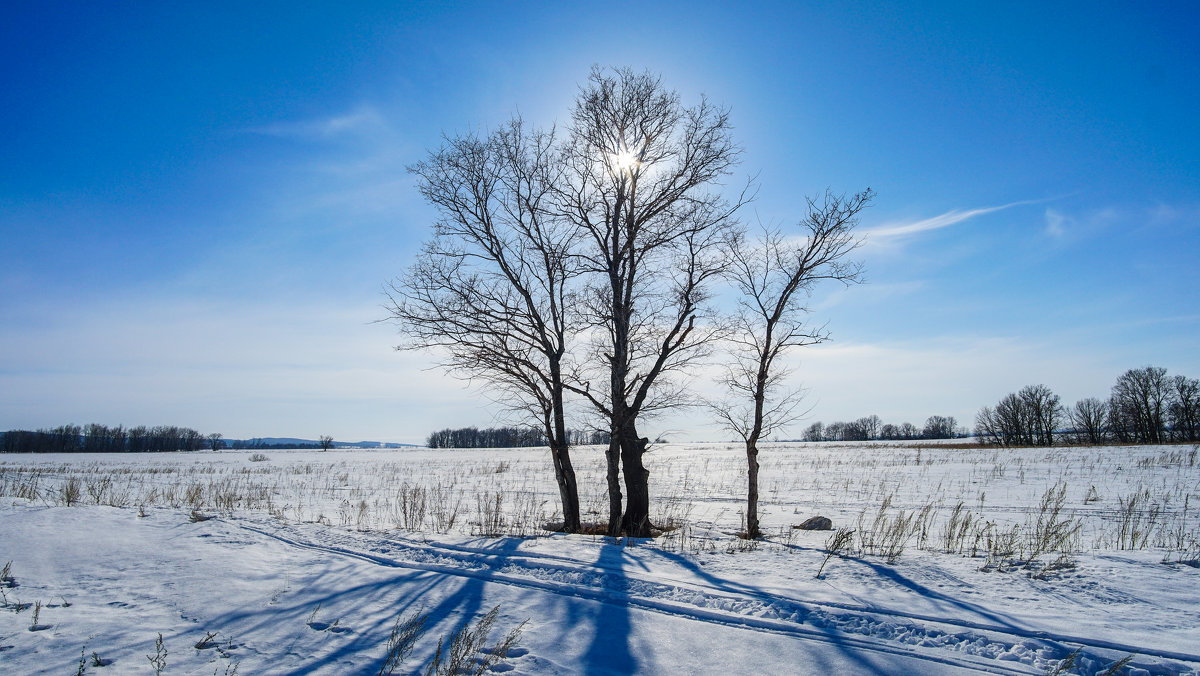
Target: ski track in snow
{"x": 981, "y": 646}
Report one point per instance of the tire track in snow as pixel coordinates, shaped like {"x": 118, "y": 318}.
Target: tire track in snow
{"x": 832, "y": 622}
{"x": 623, "y": 597}
{"x": 572, "y": 566}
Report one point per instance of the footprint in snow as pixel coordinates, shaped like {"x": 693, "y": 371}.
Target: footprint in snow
{"x": 331, "y": 628}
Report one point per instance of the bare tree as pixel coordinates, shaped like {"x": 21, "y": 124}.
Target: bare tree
{"x": 325, "y": 441}
{"x": 491, "y": 291}
{"x": 837, "y": 431}
{"x": 640, "y": 184}
{"x": 1185, "y": 408}
{"x": 1013, "y": 420}
{"x": 987, "y": 427}
{"x": 1139, "y": 404}
{"x": 1043, "y": 413}
{"x": 1089, "y": 418}
{"x": 215, "y": 441}
{"x": 939, "y": 427}
{"x": 1026, "y": 418}
{"x": 775, "y": 277}
{"x": 871, "y": 426}
{"x": 1006, "y": 424}
{"x": 815, "y": 432}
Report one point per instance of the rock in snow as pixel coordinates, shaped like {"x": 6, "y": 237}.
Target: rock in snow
{"x": 816, "y": 523}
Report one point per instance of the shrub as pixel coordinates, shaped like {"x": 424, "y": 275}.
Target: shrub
{"x": 158, "y": 661}
{"x": 836, "y": 545}
{"x": 69, "y": 491}
{"x": 466, "y": 652}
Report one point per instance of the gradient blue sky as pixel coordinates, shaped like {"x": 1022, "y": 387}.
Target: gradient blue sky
{"x": 199, "y": 203}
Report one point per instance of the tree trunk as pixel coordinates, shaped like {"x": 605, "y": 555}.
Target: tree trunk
{"x": 613, "y": 456}
{"x": 760, "y": 398}
{"x": 560, "y": 451}
{"x": 636, "y": 522}
{"x": 752, "y": 530}
{"x": 568, "y": 489}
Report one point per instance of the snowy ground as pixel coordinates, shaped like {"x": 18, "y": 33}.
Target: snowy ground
{"x": 310, "y": 558}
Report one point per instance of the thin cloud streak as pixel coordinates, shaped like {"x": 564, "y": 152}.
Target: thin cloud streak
{"x": 362, "y": 120}
{"x": 952, "y": 217}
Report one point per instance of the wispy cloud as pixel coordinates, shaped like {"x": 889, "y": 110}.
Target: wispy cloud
{"x": 871, "y": 293}
{"x": 363, "y": 119}
{"x": 1057, "y": 223}
{"x": 1065, "y": 228}
{"x": 952, "y": 217}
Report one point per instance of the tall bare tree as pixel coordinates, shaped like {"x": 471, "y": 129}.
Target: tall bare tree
{"x": 1044, "y": 413}
{"x": 815, "y": 432}
{"x": 1185, "y": 408}
{"x": 492, "y": 289}
{"x": 1139, "y": 404}
{"x": 1026, "y": 418}
{"x": 1089, "y": 420}
{"x": 775, "y": 277}
{"x": 641, "y": 184}
{"x": 871, "y": 426}
{"x": 939, "y": 427}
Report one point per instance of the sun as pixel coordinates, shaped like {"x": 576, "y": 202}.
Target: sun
{"x": 626, "y": 161}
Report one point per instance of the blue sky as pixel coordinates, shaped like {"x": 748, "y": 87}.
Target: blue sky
{"x": 199, "y": 204}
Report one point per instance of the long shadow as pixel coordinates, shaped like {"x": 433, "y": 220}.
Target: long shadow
{"x": 720, "y": 583}
{"x": 360, "y": 637}
{"x": 908, "y": 583}
{"x": 832, "y": 635}
{"x": 817, "y": 662}
{"x": 608, "y": 618}
{"x": 609, "y": 651}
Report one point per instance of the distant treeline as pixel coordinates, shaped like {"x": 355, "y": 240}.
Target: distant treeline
{"x": 871, "y": 428}
{"x": 1145, "y": 406}
{"x": 259, "y": 444}
{"x": 506, "y": 437}
{"x": 95, "y": 438}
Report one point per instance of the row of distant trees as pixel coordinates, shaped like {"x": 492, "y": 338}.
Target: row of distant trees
{"x": 1145, "y": 406}
{"x": 507, "y": 437}
{"x": 323, "y": 443}
{"x": 97, "y": 438}
{"x": 871, "y": 428}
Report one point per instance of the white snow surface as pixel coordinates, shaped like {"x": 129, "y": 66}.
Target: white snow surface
{"x": 308, "y": 559}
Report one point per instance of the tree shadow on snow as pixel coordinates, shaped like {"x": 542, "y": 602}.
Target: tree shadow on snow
{"x": 955, "y": 604}
{"x": 848, "y": 648}
{"x": 363, "y": 635}
{"x": 609, "y": 651}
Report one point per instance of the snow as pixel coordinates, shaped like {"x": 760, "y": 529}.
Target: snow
{"x": 302, "y": 569}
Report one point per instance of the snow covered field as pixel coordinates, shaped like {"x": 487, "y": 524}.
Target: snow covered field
{"x": 962, "y": 560}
